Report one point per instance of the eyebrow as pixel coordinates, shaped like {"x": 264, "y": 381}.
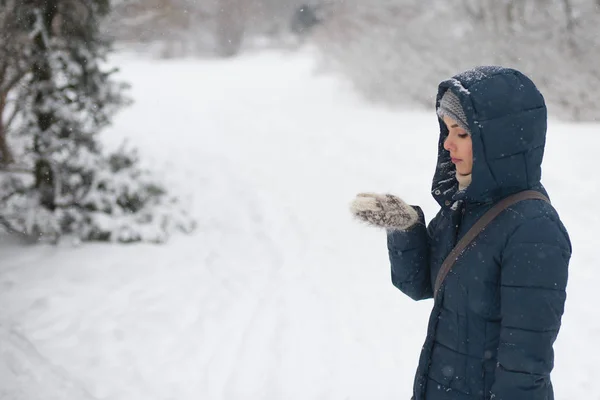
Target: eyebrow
{"x": 454, "y": 126}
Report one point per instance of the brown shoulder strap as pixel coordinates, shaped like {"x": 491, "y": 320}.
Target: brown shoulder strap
{"x": 480, "y": 226}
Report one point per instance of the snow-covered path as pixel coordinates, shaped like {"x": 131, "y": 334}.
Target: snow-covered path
{"x": 279, "y": 294}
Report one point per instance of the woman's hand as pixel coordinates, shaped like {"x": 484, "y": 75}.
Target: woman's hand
{"x": 384, "y": 211}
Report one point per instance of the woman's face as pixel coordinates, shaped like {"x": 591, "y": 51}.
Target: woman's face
{"x": 459, "y": 144}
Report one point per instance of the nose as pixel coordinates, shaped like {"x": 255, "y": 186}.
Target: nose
{"x": 449, "y": 144}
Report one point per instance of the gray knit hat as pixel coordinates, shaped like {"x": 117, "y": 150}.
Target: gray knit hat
{"x": 450, "y": 106}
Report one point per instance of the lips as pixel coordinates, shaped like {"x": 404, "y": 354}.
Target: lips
{"x": 456, "y": 160}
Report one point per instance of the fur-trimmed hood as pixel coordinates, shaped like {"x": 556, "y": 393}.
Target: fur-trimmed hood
{"x": 507, "y": 115}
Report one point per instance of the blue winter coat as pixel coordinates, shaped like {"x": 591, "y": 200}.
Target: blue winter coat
{"x": 493, "y": 325}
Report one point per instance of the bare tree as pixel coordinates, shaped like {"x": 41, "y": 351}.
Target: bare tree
{"x": 146, "y": 20}
{"x": 14, "y": 65}
{"x": 186, "y": 27}
{"x": 231, "y": 20}
{"x": 395, "y": 50}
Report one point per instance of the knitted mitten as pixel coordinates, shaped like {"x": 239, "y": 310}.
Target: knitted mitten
{"x": 384, "y": 211}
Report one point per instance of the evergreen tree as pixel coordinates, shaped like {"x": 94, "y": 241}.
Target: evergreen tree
{"x": 64, "y": 98}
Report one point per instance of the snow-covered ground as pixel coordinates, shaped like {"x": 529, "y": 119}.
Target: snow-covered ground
{"x": 279, "y": 294}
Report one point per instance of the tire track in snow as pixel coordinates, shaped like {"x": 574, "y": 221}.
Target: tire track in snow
{"x": 25, "y": 373}
{"x": 260, "y": 330}
{"x": 264, "y": 320}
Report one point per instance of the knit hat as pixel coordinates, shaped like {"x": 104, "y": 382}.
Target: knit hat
{"x": 450, "y": 106}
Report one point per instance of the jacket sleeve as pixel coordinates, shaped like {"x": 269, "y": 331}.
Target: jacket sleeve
{"x": 409, "y": 258}
{"x": 532, "y": 293}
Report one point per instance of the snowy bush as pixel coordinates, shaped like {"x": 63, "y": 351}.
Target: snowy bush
{"x": 112, "y": 200}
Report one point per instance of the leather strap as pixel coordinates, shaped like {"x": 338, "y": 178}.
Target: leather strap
{"x": 478, "y": 227}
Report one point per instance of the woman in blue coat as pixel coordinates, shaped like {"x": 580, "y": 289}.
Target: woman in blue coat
{"x": 498, "y": 311}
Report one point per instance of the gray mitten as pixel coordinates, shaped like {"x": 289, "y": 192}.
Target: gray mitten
{"x": 384, "y": 211}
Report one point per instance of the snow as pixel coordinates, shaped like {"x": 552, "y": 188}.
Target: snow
{"x": 279, "y": 294}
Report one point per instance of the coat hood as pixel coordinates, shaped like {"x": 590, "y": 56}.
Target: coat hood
{"x": 507, "y": 117}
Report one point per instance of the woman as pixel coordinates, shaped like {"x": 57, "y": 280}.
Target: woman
{"x": 499, "y": 309}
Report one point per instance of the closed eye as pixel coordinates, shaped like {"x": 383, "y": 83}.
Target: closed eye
{"x": 463, "y": 135}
